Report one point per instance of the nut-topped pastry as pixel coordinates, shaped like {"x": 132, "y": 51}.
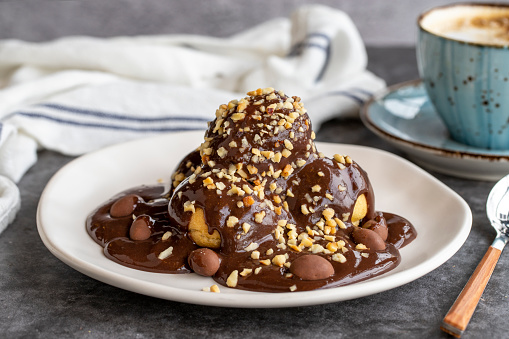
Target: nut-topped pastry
{"x": 264, "y": 132}
{"x": 257, "y": 207}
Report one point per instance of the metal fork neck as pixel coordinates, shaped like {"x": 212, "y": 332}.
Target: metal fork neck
{"x": 500, "y": 241}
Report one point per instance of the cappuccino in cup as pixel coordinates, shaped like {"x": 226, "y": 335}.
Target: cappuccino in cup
{"x": 463, "y": 59}
{"x": 487, "y": 25}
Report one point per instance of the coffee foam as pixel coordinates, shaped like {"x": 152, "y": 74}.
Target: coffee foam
{"x": 487, "y": 25}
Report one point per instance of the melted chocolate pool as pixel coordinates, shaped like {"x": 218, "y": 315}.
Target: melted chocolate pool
{"x": 113, "y": 235}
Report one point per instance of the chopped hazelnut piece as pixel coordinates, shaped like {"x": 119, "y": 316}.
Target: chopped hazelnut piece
{"x": 259, "y": 217}
{"x": 222, "y": 152}
{"x": 300, "y": 162}
{"x": 277, "y": 157}
{"x": 247, "y": 189}
{"x": 255, "y": 255}
{"x": 246, "y": 272}
{"x": 166, "y": 253}
{"x": 339, "y": 258}
{"x": 361, "y": 247}
{"x": 166, "y": 236}
{"x": 279, "y": 260}
{"x": 267, "y": 154}
{"x": 287, "y": 170}
{"x": 332, "y": 246}
{"x": 189, "y": 206}
{"x": 248, "y": 201}
{"x": 232, "y": 221}
{"x": 306, "y": 242}
{"x": 317, "y": 248}
{"x": 288, "y": 144}
{"x": 295, "y": 248}
{"x": 328, "y": 213}
{"x": 246, "y": 227}
{"x": 273, "y": 187}
{"x": 251, "y": 169}
{"x": 304, "y": 209}
{"x": 232, "y": 279}
{"x": 238, "y": 116}
{"x": 252, "y": 246}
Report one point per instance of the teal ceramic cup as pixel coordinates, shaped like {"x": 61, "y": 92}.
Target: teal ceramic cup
{"x": 463, "y": 59}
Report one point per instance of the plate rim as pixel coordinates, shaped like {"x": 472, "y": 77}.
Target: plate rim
{"x": 368, "y": 122}
{"x": 306, "y": 298}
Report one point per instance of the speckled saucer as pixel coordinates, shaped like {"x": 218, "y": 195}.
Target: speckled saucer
{"x": 404, "y": 116}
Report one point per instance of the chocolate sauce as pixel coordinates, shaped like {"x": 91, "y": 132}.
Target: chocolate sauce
{"x": 113, "y": 235}
{"x": 260, "y": 195}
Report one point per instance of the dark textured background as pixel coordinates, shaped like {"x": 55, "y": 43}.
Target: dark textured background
{"x": 41, "y": 297}
{"x": 380, "y": 22}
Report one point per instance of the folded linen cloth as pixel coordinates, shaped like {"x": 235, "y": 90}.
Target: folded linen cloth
{"x": 78, "y": 94}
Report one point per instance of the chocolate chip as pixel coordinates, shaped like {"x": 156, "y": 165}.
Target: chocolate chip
{"x": 369, "y": 238}
{"x": 204, "y": 261}
{"x": 125, "y": 206}
{"x": 312, "y": 267}
{"x": 140, "y": 228}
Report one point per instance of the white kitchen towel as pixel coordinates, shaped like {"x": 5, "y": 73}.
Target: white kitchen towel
{"x": 78, "y": 94}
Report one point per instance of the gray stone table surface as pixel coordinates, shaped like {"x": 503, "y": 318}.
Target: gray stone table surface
{"x": 41, "y": 297}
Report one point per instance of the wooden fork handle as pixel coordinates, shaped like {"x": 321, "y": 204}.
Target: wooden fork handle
{"x": 456, "y": 320}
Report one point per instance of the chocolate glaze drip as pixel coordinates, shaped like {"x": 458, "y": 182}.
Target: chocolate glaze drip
{"x": 258, "y": 192}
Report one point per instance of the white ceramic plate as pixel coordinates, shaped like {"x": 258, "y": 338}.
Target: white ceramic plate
{"x": 441, "y": 217}
{"x": 404, "y": 116}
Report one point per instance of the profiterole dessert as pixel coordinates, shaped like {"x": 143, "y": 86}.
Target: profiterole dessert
{"x": 256, "y": 207}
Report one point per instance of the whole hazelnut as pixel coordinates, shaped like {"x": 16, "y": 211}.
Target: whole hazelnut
{"x": 312, "y": 267}
{"x": 369, "y": 238}
{"x": 204, "y": 261}
{"x": 125, "y": 206}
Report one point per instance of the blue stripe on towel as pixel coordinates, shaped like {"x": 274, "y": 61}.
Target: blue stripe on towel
{"x": 355, "y": 98}
{"x": 363, "y": 91}
{"x": 117, "y": 116}
{"x": 107, "y": 126}
{"x": 298, "y": 47}
{"x": 295, "y": 49}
